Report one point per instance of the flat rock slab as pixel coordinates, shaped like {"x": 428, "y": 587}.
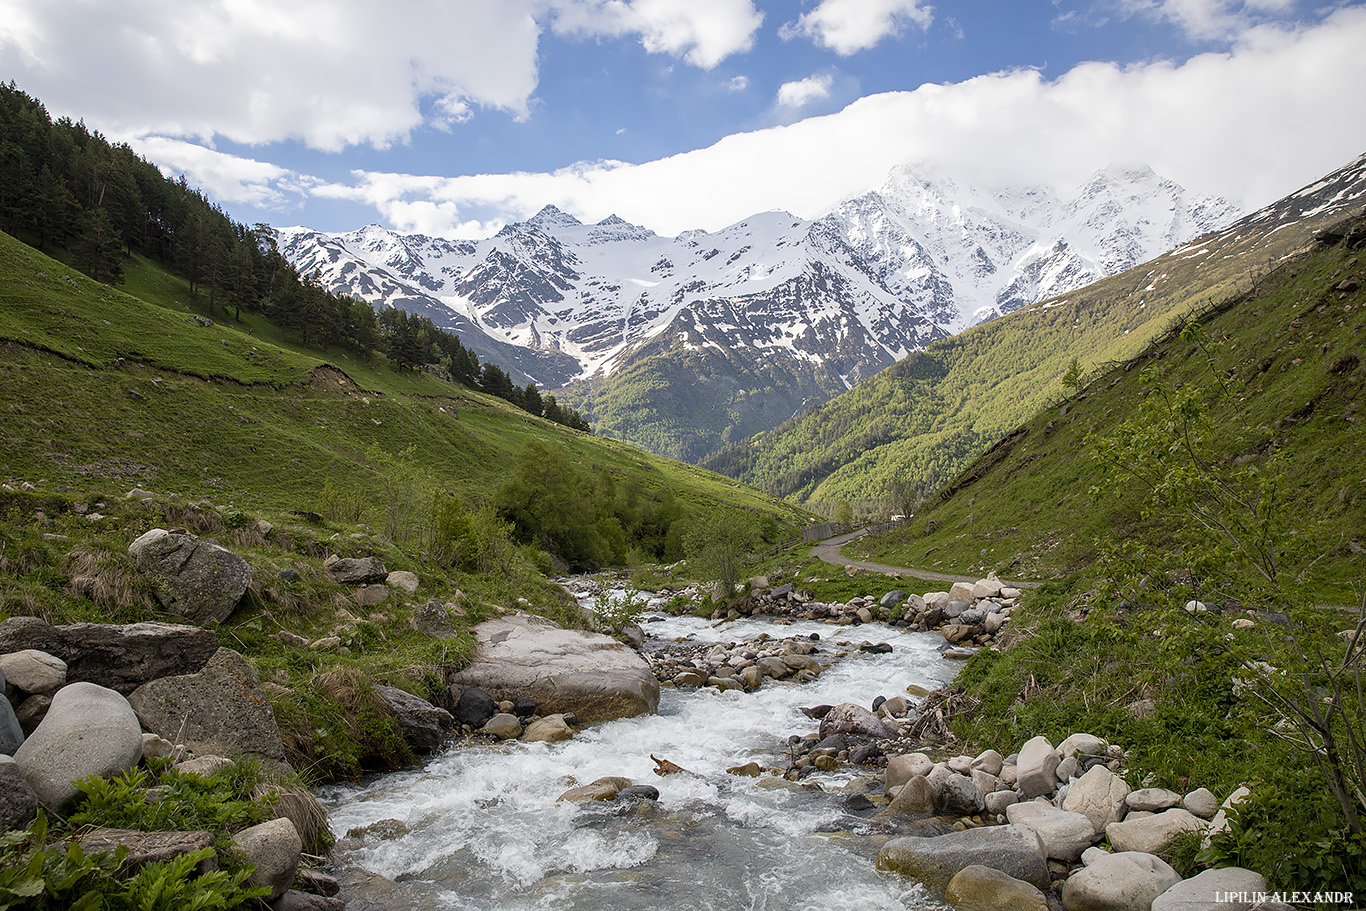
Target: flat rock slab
{"x": 149, "y": 847}
{"x": 1064, "y": 834}
{"x": 220, "y": 711}
{"x": 1013, "y": 850}
{"x": 120, "y": 656}
{"x": 848, "y": 718}
{"x": 1225, "y": 889}
{"x": 589, "y": 674}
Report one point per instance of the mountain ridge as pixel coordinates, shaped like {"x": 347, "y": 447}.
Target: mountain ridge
{"x": 827, "y": 302}
{"x": 917, "y": 424}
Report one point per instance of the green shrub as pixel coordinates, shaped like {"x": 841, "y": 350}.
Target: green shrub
{"x": 612, "y": 615}
{"x": 221, "y": 803}
{"x": 38, "y": 873}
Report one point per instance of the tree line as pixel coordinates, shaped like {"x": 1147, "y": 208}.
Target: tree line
{"x": 64, "y": 187}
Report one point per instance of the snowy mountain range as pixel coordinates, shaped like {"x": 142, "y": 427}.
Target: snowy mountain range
{"x": 796, "y": 310}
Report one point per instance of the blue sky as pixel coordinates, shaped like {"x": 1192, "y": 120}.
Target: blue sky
{"x": 455, "y": 116}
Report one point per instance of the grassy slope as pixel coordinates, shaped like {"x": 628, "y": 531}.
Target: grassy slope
{"x": 924, "y": 419}
{"x": 102, "y": 383}
{"x": 102, "y": 391}
{"x": 1124, "y": 660}
{"x": 1292, "y": 347}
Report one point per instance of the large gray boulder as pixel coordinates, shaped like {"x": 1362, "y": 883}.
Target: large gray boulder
{"x": 848, "y": 718}
{"x": 550, "y": 729}
{"x": 18, "y": 803}
{"x": 958, "y": 795}
{"x": 192, "y": 577}
{"x": 1098, "y": 795}
{"x": 273, "y": 847}
{"x": 422, "y": 724}
{"x": 902, "y": 768}
{"x": 88, "y": 730}
{"x": 915, "y": 798}
{"x": 357, "y": 570}
{"x": 1014, "y": 850}
{"x": 221, "y": 710}
{"x": 1225, "y": 889}
{"x": 589, "y": 674}
{"x": 434, "y": 619}
{"x": 1127, "y": 881}
{"x": 1064, "y": 835}
{"x": 979, "y": 888}
{"x": 11, "y": 731}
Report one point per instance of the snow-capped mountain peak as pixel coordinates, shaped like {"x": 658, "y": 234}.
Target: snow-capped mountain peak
{"x": 880, "y": 275}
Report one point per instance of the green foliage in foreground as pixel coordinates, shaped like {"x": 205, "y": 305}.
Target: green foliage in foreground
{"x": 221, "y": 803}
{"x": 41, "y": 872}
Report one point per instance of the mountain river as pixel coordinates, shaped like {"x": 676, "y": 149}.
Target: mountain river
{"x": 482, "y": 829}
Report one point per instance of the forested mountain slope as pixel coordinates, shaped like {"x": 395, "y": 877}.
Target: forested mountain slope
{"x": 1280, "y": 375}
{"x": 917, "y": 424}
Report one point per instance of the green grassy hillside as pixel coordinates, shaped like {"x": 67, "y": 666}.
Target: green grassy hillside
{"x": 101, "y": 384}
{"x": 1290, "y": 351}
{"x": 921, "y": 421}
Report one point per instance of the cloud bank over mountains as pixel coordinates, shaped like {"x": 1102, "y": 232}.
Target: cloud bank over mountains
{"x": 1246, "y": 123}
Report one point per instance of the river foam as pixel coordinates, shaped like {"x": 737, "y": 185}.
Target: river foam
{"x": 484, "y": 829}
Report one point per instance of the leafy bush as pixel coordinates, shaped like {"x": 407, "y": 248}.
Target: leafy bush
{"x": 1323, "y": 851}
{"x": 222, "y": 803}
{"x": 614, "y": 611}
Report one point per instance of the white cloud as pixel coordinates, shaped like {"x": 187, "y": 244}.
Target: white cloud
{"x": 1208, "y": 19}
{"x": 328, "y": 73}
{"x": 738, "y": 83}
{"x": 226, "y": 178}
{"x": 849, "y": 26}
{"x": 703, "y": 32}
{"x": 1234, "y": 123}
{"x": 804, "y": 91}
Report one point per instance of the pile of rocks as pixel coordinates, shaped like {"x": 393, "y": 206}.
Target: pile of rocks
{"x": 1055, "y": 804}
{"x": 477, "y": 714}
{"x": 968, "y": 614}
{"x": 87, "y": 729}
{"x": 737, "y": 665}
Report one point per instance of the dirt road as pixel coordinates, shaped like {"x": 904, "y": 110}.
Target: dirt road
{"x": 829, "y": 551}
